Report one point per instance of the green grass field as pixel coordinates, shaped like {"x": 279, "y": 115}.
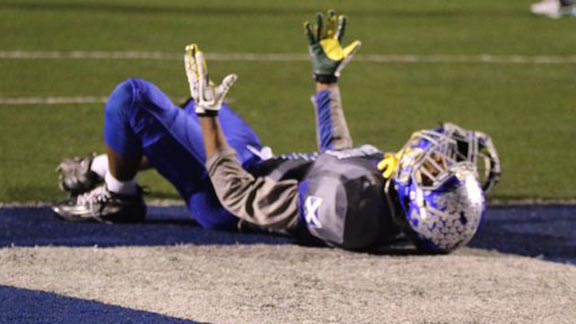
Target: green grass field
{"x": 529, "y": 109}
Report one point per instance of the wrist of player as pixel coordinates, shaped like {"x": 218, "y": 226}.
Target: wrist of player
{"x": 206, "y": 113}
{"x": 325, "y": 70}
{"x": 207, "y": 109}
{"x": 325, "y": 78}
{"x": 206, "y": 104}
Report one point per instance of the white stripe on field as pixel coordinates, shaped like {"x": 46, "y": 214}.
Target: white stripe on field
{"x": 64, "y": 100}
{"x": 52, "y": 100}
{"x": 287, "y": 57}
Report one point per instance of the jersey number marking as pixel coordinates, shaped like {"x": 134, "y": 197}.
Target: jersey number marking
{"x": 312, "y": 206}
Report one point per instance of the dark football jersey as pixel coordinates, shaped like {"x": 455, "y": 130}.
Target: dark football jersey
{"x": 342, "y": 200}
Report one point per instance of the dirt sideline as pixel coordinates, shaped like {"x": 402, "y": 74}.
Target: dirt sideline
{"x": 293, "y": 284}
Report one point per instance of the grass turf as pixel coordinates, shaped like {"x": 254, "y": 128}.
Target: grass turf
{"x": 528, "y": 109}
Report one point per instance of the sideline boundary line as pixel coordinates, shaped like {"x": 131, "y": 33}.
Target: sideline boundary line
{"x": 291, "y": 57}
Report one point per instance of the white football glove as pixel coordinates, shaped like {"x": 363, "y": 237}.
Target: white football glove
{"x": 207, "y": 96}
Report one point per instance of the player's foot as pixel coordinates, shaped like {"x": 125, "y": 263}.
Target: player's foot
{"x": 102, "y": 205}
{"x": 568, "y": 11}
{"x": 76, "y": 177}
{"x": 552, "y": 9}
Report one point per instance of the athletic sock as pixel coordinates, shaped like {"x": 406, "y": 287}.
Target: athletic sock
{"x": 100, "y": 165}
{"x": 121, "y": 187}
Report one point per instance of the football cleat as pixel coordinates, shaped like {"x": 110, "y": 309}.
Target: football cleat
{"x": 552, "y": 9}
{"x": 102, "y": 205}
{"x": 76, "y": 177}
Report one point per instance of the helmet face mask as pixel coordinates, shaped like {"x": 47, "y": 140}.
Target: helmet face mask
{"x": 426, "y": 159}
{"x": 478, "y": 149}
{"x": 439, "y": 191}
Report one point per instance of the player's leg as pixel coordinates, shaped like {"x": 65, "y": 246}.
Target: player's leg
{"x": 204, "y": 203}
{"x": 180, "y": 155}
{"x": 239, "y": 136}
{"x": 120, "y": 199}
{"x": 554, "y": 8}
{"x": 141, "y": 121}
{"x": 567, "y": 8}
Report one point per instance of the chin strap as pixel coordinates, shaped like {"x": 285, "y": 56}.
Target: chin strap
{"x": 394, "y": 205}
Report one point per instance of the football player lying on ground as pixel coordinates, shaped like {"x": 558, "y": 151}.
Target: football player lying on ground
{"x": 431, "y": 190}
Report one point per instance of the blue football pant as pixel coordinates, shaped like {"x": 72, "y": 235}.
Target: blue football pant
{"x": 141, "y": 120}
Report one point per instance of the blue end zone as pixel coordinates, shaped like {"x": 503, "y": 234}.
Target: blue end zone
{"x": 163, "y": 226}
{"x": 30, "y": 306}
{"x": 548, "y": 232}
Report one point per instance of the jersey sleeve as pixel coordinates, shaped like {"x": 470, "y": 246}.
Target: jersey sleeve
{"x": 331, "y": 128}
{"x": 262, "y": 201}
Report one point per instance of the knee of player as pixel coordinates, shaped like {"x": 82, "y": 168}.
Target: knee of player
{"x": 122, "y": 100}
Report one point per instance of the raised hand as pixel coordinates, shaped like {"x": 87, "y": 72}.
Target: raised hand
{"x": 327, "y": 54}
{"x": 207, "y": 96}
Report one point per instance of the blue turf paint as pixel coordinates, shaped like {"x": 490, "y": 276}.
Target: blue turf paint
{"x": 548, "y": 232}
{"x": 163, "y": 226}
{"x": 24, "y": 306}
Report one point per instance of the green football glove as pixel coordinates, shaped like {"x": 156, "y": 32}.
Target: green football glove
{"x": 328, "y": 56}
{"x": 207, "y": 96}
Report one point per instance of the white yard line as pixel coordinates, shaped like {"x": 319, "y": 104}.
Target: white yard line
{"x": 257, "y": 57}
{"x": 52, "y": 100}
{"x": 60, "y": 100}
{"x": 289, "y": 57}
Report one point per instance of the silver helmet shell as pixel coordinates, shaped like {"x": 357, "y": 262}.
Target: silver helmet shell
{"x": 439, "y": 192}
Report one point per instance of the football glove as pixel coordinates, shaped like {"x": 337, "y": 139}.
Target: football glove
{"x": 326, "y": 52}
{"x": 207, "y": 96}
{"x": 389, "y": 165}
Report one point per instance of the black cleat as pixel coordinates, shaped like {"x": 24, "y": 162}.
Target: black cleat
{"x": 101, "y": 205}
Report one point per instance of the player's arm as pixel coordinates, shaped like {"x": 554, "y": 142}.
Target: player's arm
{"x": 328, "y": 60}
{"x": 208, "y": 98}
{"x": 260, "y": 201}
